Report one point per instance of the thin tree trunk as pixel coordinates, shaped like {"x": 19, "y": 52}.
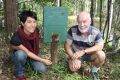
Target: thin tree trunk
{"x": 107, "y": 35}
{"x": 92, "y": 11}
{"x": 86, "y": 5}
{"x": 100, "y": 15}
{"x": 111, "y": 13}
{"x": 105, "y": 26}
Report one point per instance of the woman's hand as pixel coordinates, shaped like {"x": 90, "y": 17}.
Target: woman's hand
{"x": 46, "y": 61}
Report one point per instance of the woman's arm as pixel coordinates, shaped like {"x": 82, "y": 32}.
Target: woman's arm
{"x": 32, "y": 55}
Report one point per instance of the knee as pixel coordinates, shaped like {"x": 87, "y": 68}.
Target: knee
{"x": 40, "y": 68}
{"x": 101, "y": 56}
{"x": 20, "y": 55}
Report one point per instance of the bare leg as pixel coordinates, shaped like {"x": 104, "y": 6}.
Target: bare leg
{"x": 98, "y": 58}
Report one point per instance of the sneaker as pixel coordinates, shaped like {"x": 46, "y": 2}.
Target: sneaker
{"x": 22, "y": 77}
{"x": 95, "y": 76}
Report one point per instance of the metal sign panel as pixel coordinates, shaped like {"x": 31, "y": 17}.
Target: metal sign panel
{"x": 55, "y": 22}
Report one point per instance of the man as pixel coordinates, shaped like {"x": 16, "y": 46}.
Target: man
{"x": 25, "y": 42}
{"x": 84, "y": 43}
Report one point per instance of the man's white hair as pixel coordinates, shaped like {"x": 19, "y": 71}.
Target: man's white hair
{"x": 86, "y": 13}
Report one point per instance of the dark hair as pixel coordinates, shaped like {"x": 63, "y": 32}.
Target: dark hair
{"x": 27, "y": 13}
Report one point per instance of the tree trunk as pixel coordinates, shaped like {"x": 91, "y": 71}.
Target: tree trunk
{"x": 100, "y": 15}
{"x": 107, "y": 35}
{"x": 92, "y": 11}
{"x": 111, "y": 16}
{"x": 10, "y": 15}
{"x": 86, "y": 5}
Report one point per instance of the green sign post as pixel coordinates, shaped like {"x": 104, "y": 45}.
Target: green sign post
{"x": 55, "y": 27}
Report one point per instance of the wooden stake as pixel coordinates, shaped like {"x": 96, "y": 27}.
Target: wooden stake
{"x": 54, "y": 47}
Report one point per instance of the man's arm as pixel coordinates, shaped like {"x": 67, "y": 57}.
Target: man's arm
{"x": 99, "y": 43}
{"x": 32, "y": 55}
{"x": 68, "y": 50}
{"x": 97, "y": 47}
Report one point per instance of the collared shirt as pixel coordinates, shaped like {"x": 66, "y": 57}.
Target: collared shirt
{"x": 75, "y": 39}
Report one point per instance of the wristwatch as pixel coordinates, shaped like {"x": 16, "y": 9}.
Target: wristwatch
{"x": 85, "y": 51}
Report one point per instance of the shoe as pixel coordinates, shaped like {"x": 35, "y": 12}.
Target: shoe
{"x": 22, "y": 77}
{"x": 95, "y": 76}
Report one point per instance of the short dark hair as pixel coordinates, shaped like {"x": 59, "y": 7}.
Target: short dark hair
{"x": 27, "y": 13}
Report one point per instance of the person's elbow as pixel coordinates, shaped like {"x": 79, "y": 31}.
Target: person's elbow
{"x": 13, "y": 46}
{"x": 66, "y": 46}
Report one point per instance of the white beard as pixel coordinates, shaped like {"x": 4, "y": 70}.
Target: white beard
{"x": 83, "y": 29}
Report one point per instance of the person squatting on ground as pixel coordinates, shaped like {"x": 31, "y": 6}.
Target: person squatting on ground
{"x": 25, "y": 43}
{"x": 85, "y": 43}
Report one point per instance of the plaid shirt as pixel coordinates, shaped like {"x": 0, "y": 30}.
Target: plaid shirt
{"x": 75, "y": 39}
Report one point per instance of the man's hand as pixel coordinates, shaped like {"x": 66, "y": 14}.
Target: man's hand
{"x": 46, "y": 61}
{"x": 74, "y": 65}
{"x": 78, "y": 54}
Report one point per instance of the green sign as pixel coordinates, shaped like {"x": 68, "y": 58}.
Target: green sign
{"x": 55, "y": 22}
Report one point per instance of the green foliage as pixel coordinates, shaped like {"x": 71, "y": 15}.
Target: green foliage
{"x": 110, "y": 45}
{"x": 71, "y": 20}
{"x": 115, "y": 72}
{"x": 69, "y": 5}
{"x": 115, "y": 58}
{"x": 75, "y": 77}
{"x": 30, "y": 72}
{"x": 46, "y": 2}
{"x": 113, "y": 68}
{"x": 31, "y": 5}
{"x": 59, "y": 69}
{"x": 3, "y": 33}
{"x": 72, "y": 77}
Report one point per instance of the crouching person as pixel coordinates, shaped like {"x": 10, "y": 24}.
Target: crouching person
{"x": 85, "y": 43}
{"x": 25, "y": 43}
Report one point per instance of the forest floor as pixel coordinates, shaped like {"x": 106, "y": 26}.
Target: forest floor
{"x": 109, "y": 71}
